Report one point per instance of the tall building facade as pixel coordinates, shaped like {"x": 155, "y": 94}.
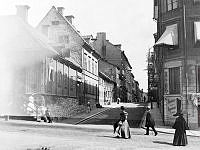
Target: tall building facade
{"x": 177, "y": 51}
{"x": 114, "y": 55}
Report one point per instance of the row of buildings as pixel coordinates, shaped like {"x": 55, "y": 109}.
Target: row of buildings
{"x": 174, "y": 63}
{"x": 54, "y": 66}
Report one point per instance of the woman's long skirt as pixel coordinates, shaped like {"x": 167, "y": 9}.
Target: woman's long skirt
{"x": 180, "y": 138}
{"x": 125, "y": 130}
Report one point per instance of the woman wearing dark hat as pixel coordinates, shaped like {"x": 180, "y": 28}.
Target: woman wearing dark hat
{"x": 180, "y": 126}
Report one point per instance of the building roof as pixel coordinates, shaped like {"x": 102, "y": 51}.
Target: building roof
{"x": 86, "y": 45}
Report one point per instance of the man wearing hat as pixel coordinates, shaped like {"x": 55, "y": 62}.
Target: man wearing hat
{"x": 180, "y": 126}
{"x": 150, "y": 122}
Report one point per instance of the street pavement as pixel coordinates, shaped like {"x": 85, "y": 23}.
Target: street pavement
{"x": 29, "y": 135}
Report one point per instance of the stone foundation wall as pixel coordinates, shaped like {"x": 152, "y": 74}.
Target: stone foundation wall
{"x": 63, "y": 107}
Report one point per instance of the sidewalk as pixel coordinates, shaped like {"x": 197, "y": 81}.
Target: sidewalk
{"x": 159, "y": 123}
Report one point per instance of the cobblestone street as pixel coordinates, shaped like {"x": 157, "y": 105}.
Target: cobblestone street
{"x": 25, "y": 135}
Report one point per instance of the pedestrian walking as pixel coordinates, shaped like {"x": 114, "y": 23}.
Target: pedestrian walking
{"x": 48, "y": 115}
{"x": 150, "y": 122}
{"x": 123, "y": 126}
{"x": 88, "y": 107}
{"x": 180, "y": 126}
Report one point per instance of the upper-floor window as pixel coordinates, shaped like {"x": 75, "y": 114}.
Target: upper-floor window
{"x": 89, "y": 64}
{"x": 197, "y": 33}
{"x": 93, "y": 65}
{"x": 85, "y": 61}
{"x": 63, "y": 39}
{"x": 95, "y": 68}
{"x": 172, "y": 4}
{"x": 55, "y": 22}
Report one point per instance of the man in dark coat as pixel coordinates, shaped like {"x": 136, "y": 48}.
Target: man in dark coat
{"x": 150, "y": 122}
{"x": 180, "y": 126}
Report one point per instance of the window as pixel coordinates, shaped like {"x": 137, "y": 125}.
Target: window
{"x": 197, "y": 33}
{"x": 72, "y": 82}
{"x": 89, "y": 64}
{"x": 63, "y": 39}
{"x": 172, "y": 4}
{"x": 92, "y": 65}
{"x": 66, "y": 80}
{"x": 55, "y": 22}
{"x": 174, "y": 80}
{"x": 95, "y": 68}
{"x": 85, "y": 61}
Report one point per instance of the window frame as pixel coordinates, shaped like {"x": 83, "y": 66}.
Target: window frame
{"x": 195, "y": 35}
{"x": 172, "y": 4}
{"x": 174, "y": 80}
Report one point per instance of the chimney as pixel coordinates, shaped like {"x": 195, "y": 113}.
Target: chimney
{"x": 60, "y": 10}
{"x": 101, "y": 36}
{"x": 69, "y": 18}
{"x": 22, "y": 11}
{"x": 118, "y": 46}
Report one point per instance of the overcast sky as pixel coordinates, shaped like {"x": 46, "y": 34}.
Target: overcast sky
{"x": 126, "y": 22}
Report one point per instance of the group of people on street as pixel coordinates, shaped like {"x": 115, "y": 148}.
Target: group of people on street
{"x": 180, "y": 138}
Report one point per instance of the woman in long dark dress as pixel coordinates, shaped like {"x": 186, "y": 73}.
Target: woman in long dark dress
{"x": 180, "y": 126}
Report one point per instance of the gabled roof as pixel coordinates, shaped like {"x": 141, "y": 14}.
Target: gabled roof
{"x": 74, "y": 29}
{"x": 64, "y": 19}
{"x": 18, "y": 36}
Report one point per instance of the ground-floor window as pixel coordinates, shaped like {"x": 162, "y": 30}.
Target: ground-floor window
{"x": 174, "y": 80}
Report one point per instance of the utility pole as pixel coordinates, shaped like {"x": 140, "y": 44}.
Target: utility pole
{"x": 185, "y": 55}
